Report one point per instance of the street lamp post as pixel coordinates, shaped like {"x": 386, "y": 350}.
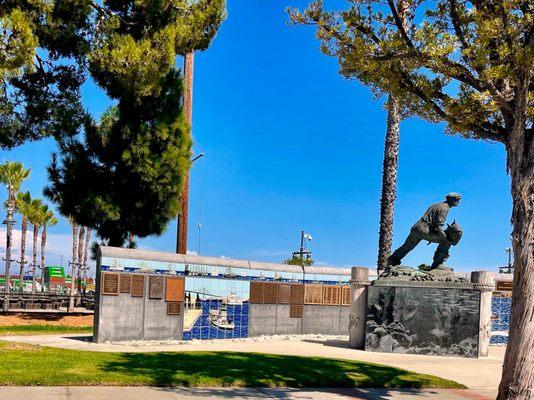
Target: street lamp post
{"x": 303, "y": 251}
{"x": 9, "y": 222}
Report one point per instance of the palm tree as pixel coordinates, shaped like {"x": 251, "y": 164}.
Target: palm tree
{"x": 390, "y": 165}
{"x": 36, "y": 216}
{"x": 48, "y": 220}
{"x": 23, "y": 202}
{"x": 389, "y": 183}
{"x": 12, "y": 174}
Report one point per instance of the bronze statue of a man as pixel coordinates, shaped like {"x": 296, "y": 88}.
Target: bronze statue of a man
{"x": 430, "y": 227}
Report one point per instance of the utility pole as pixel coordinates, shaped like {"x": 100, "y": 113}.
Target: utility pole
{"x": 181, "y": 234}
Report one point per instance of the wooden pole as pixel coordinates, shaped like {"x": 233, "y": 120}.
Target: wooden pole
{"x": 182, "y": 220}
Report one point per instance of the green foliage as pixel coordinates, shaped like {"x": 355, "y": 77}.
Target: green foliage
{"x": 423, "y": 267}
{"x": 17, "y": 44}
{"x": 37, "y": 212}
{"x": 23, "y": 364}
{"x": 296, "y": 260}
{"x": 12, "y": 174}
{"x": 463, "y": 62}
{"x": 43, "y": 47}
{"x": 133, "y": 162}
{"x": 47, "y": 48}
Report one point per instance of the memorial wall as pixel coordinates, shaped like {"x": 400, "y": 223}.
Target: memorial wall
{"x": 136, "y": 306}
{"x": 140, "y": 299}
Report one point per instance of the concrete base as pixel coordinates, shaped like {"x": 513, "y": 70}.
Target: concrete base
{"x": 423, "y": 320}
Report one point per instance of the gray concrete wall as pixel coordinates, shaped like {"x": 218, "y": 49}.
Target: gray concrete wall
{"x": 285, "y": 325}
{"x": 262, "y": 319}
{"x": 123, "y": 317}
{"x": 322, "y": 319}
{"x": 273, "y": 319}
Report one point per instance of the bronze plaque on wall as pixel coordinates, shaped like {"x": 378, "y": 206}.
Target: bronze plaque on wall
{"x": 345, "y": 295}
{"x": 284, "y": 293}
{"x": 125, "y": 282}
{"x": 174, "y": 288}
{"x": 296, "y": 310}
{"x": 270, "y": 293}
{"x": 313, "y": 294}
{"x": 173, "y": 308}
{"x": 505, "y": 286}
{"x": 297, "y": 294}
{"x": 110, "y": 283}
{"x": 256, "y": 293}
{"x": 138, "y": 286}
{"x": 332, "y": 295}
{"x": 155, "y": 290}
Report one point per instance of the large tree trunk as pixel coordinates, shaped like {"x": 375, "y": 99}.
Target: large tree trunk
{"x": 518, "y": 369}
{"x": 43, "y": 263}
{"x": 34, "y": 256}
{"x": 73, "y": 265}
{"x": 389, "y": 183}
{"x": 22, "y": 252}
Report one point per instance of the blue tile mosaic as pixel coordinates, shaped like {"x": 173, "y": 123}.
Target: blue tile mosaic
{"x": 500, "y": 310}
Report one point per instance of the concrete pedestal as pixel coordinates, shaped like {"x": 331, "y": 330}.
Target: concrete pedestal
{"x": 358, "y": 294}
{"x": 434, "y": 318}
{"x": 483, "y": 281}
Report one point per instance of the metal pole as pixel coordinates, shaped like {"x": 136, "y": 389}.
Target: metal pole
{"x": 302, "y": 255}
{"x": 9, "y": 222}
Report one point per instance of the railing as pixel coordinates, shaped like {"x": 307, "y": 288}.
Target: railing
{"x": 45, "y": 301}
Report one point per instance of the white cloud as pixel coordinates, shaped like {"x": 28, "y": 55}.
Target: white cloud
{"x": 58, "y": 246}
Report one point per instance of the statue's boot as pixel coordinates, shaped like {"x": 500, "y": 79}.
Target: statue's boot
{"x": 441, "y": 254}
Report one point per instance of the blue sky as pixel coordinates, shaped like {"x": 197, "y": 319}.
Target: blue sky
{"x": 290, "y": 144}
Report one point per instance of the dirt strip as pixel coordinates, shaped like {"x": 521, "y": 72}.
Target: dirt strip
{"x": 46, "y": 319}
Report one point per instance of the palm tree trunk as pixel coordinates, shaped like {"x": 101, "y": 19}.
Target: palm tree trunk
{"x": 22, "y": 252}
{"x": 34, "y": 256}
{"x": 73, "y": 265}
{"x": 389, "y": 183}
{"x": 43, "y": 264}
{"x": 80, "y": 257}
{"x": 86, "y": 253}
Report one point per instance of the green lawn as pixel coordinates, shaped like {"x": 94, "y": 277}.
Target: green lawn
{"x": 22, "y": 364}
{"x": 36, "y": 329}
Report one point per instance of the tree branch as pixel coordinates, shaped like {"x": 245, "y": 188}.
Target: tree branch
{"x": 455, "y": 18}
{"x": 400, "y": 25}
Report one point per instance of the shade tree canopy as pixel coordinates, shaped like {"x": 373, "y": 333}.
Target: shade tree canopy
{"x": 133, "y": 161}
{"x": 469, "y": 64}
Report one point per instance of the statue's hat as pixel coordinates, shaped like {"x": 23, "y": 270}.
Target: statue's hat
{"x": 453, "y": 195}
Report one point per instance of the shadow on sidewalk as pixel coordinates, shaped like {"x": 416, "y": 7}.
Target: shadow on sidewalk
{"x": 344, "y": 344}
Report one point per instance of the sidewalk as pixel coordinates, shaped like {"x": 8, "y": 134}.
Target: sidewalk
{"x": 481, "y": 374}
{"x": 144, "y": 393}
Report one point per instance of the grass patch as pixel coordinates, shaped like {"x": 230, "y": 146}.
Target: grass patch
{"x": 22, "y": 364}
{"x": 36, "y": 329}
